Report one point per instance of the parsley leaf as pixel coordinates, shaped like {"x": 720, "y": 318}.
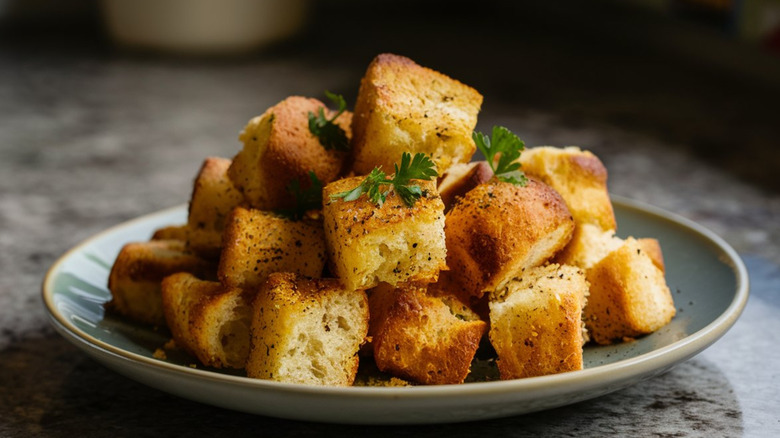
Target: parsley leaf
{"x": 507, "y": 146}
{"x": 329, "y": 133}
{"x": 418, "y": 167}
{"x": 305, "y": 200}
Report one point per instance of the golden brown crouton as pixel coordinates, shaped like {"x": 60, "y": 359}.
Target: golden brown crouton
{"x": 208, "y": 320}
{"x": 498, "y": 230}
{"x": 173, "y": 232}
{"x": 536, "y": 322}
{"x": 279, "y": 148}
{"x": 307, "y": 331}
{"x": 219, "y": 324}
{"x": 460, "y": 178}
{"x": 213, "y": 198}
{"x": 139, "y": 269}
{"x": 257, "y": 243}
{"x": 403, "y": 107}
{"x": 421, "y": 338}
{"x": 580, "y": 178}
{"x": 628, "y": 295}
{"x": 181, "y": 292}
{"x": 394, "y": 243}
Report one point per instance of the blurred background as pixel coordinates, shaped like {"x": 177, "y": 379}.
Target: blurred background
{"x": 124, "y": 99}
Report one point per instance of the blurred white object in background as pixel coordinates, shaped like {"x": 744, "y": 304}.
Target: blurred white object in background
{"x": 202, "y": 26}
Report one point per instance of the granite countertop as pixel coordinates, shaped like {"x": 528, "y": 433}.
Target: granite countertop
{"x": 91, "y": 137}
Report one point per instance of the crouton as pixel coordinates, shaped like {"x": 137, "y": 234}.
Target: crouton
{"x": 498, "y": 229}
{"x": 421, "y": 338}
{"x": 404, "y": 107}
{"x": 213, "y": 198}
{"x": 307, "y": 331}
{"x": 257, "y": 243}
{"x": 536, "y": 322}
{"x": 279, "y": 148}
{"x": 628, "y": 295}
{"x": 219, "y": 325}
{"x": 460, "y": 178}
{"x": 173, "y": 232}
{"x": 139, "y": 269}
{"x": 580, "y": 178}
{"x": 394, "y": 243}
{"x": 180, "y": 293}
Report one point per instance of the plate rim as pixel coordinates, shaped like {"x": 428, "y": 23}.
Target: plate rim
{"x": 657, "y": 359}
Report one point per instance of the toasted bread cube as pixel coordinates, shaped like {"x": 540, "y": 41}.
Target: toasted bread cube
{"x": 394, "y": 243}
{"x": 219, "y": 325}
{"x": 257, "y": 243}
{"x": 403, "y": 107}
{"x": 580, "y": 178}
{"x": 499, "y": 229}
{"x": 420, "y": 337}
{"x": 213, "y": 198}
{"x": 139, "y": 269}
{"x": 181, "y": 293}
{"x": 208, "y": 320}
{"x": 279, "y": 148}
{"x": 173, "y": 232}
{"x": 536, "y": 322}
{"x": 628, "y": 295}
{"x": 460, "y": 178}
{"x": 307, "y": 331}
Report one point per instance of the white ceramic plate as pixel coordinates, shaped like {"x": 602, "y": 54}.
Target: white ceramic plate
{"x": 707, "y": 278}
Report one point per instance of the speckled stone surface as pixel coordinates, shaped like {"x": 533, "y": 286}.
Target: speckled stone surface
{"x": 90, "y": 137}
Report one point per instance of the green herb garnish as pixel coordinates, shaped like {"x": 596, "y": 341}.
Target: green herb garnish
{"x": 305, "y": 200}
{"x": 507, "y": 146}
{"x": 419, "y": 167}
{"x": 330, "y": 134}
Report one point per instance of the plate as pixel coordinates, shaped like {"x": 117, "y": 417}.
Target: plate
{"x": 706, "y": 276}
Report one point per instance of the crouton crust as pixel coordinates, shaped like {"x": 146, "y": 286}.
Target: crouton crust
{"x": 499, "y": 229}
{"x": 404, "y": 107}
{"x": 460, "y": 178}
{"x": 279, "y": 148}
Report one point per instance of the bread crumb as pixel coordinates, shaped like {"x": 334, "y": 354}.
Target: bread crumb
{"x": 159, "y": 354}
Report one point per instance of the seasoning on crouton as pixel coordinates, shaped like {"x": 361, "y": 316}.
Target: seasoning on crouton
{"x": 460, "y": 178}
{"x": 421, "y": 338}
{"x": 394, "y": 243}
{"x": 139, "y": 269}
{"x": 173, "y": 232}
{"x": 257, "y": 243}
{"x": 213, "y": 198}
{"x": 404, "y": 107}
{"x": 580, "y": 178}
{"x": 628, "y": 295}
{"x": 279, "y": 148}
{"x": 307, "y": 331}
{"x": 536, "y": 322}
{"x": 499, "y": 229}
{"x": 208, "y": 320}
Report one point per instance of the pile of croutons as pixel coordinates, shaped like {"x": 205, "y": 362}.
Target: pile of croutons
{"x": 335, "y": 237}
